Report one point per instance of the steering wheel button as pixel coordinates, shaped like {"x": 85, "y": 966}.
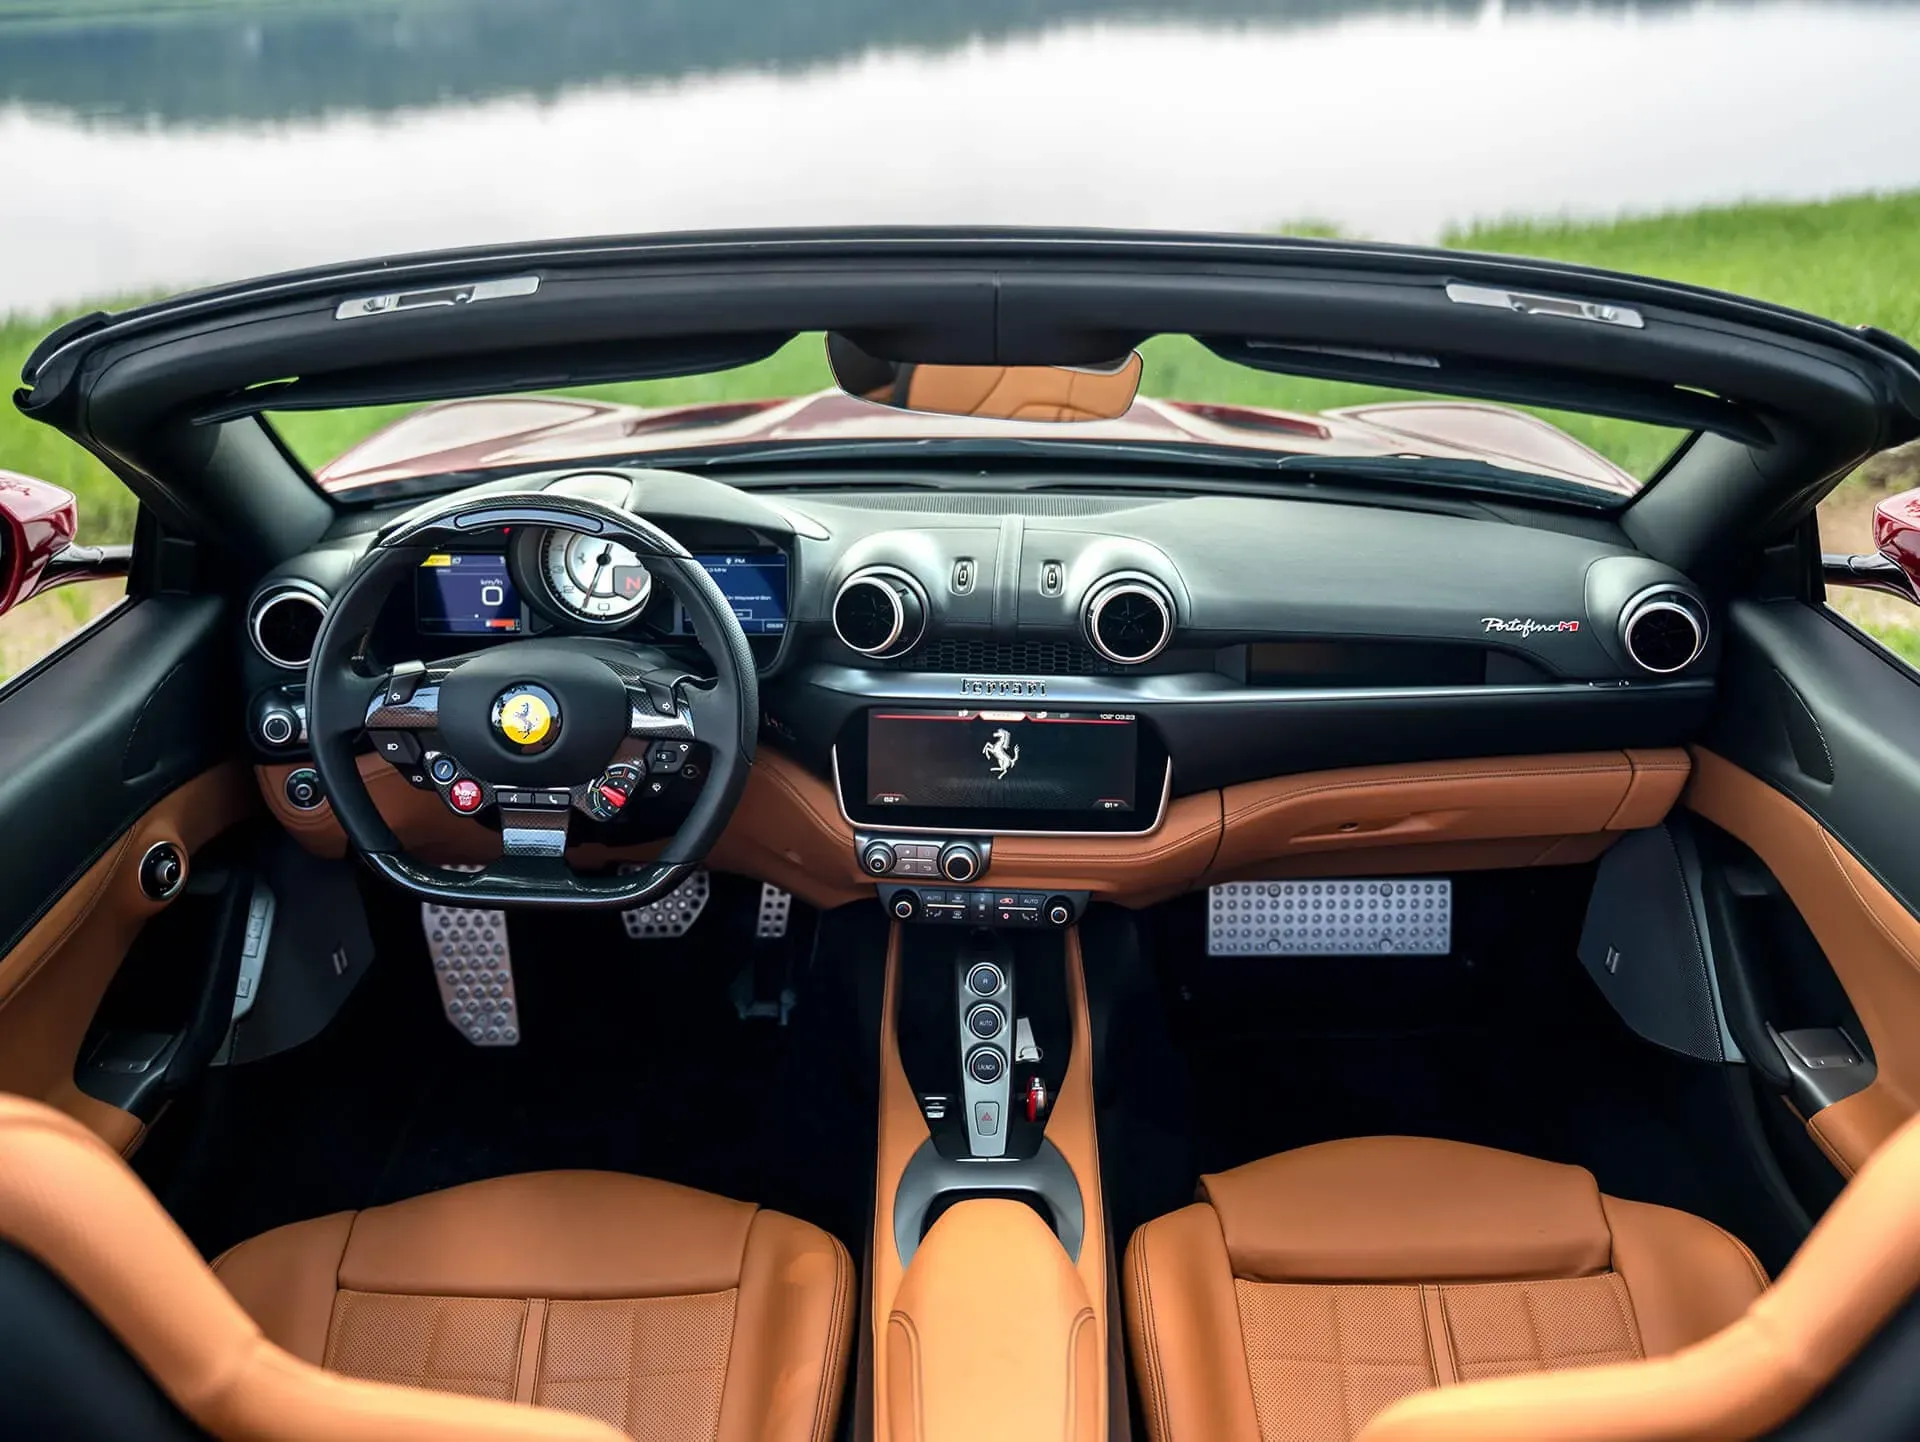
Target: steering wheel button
{"x": 465, "y": 797}
{"x": 444, "y": 769}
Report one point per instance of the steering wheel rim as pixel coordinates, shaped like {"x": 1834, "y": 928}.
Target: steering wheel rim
{"x": 341, "y": 702}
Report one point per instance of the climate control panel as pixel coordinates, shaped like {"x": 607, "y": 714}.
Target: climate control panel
{"x": 984, "y": 906}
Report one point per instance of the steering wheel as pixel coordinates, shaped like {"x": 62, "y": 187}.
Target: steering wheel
{"x": 520, "y": 723}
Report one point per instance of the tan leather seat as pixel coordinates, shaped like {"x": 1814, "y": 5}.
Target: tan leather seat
{"x": 1307, "y": 1292}
{"x": 659, "y": 1311}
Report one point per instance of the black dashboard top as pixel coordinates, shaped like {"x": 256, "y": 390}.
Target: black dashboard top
{"x": 1253, "y": 636}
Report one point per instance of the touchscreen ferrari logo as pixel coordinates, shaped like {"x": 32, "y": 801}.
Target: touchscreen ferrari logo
{"x": 1002, "y": 755}
{"x": 524, "y": 717}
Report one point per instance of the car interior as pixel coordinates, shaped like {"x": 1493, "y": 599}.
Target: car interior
{"x": 984, "y": 904}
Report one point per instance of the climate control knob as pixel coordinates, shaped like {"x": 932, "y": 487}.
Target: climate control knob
{"x": 1058, "y": 911}
{"x": 959, "y": 861}
{"x": 877, "y": 859}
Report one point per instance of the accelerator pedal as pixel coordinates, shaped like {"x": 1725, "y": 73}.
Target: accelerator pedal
{"x": 1367, "y": 917}
{"x": 473, "y": 968}
{"x": 776, "y": 908}
{"x": 671, "y": 916}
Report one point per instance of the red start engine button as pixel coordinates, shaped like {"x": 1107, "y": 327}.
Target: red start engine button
{"x": 464, "y": 796}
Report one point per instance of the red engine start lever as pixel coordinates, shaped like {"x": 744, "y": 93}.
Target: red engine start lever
{"x": 1036, "y": 1099}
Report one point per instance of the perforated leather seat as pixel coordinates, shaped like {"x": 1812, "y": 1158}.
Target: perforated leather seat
{"x": 613, "y": 1304}
{"x": 1307, "y": 1292}
{"x": 664, "y": 1312}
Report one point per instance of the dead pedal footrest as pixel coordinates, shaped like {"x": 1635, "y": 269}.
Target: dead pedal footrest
{"x": 1352, "y": 917}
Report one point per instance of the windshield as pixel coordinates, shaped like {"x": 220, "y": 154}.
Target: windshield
{"x": 1188, "y": 397}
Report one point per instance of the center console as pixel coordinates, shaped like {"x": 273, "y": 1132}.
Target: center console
{"x": 988, "y": 1169}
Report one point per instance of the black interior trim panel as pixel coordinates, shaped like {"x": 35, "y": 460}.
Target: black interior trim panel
{"x": 1815, "y": 709}
{"x": 134, "y": 710}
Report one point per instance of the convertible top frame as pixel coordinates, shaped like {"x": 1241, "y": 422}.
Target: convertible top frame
{"x": 1787, "y": 402}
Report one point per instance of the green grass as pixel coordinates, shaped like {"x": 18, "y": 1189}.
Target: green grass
{"x": 1857, "y": 260}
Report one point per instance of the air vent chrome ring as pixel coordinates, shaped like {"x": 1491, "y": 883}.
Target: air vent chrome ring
{"x": 1664, "y": 631}
{"x": 280, "y": 639}
{"x": 879, "y": 611}
{"x": 1128, "y": 619}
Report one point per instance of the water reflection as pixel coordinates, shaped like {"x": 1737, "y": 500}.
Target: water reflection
{"x": 254, "y": 60}
{"x": 159, "y": 156}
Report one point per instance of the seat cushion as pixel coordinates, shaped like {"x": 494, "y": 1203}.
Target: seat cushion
{"x": 1307, "y": 1292}
{"x": 663, "y": 1311}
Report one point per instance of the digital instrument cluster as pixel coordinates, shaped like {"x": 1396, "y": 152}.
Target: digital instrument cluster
{"x": 582, "y": 581}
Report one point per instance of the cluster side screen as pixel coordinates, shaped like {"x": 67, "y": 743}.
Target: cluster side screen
{"x": 1072, "y": 762}
{"x": 755, "y": 585}
{"x": 465, "y": 593}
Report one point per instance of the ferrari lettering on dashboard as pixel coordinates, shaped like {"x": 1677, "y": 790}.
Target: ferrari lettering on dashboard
{"x": 994, "y": 686}
{"x": 1526, "y": 626}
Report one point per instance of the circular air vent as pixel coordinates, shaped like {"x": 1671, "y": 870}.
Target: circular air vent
{"x": 879, "y": 612}
{"x": 285, "y": 624}
{"x": 1129, "y": 619}
{"x": 1664, "y": 631}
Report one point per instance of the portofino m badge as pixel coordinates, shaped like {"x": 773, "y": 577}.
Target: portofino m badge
{"x": 1526, "y": 625}
{"x": 1002, "y": 755}
{"x": 527, "y": 717}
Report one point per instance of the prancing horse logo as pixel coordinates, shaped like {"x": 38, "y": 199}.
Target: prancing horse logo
{"x": 528, "y": 716}
{"x": 1002, "y": 753}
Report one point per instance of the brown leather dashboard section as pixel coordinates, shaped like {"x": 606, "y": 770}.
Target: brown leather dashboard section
{"x": 74, "y": 1206}
{"x": 1859, "y": 1265}
{"x": 51, "y": 983}
{"x": 1376, "y": 820}
{"x": 1443, "y": 815}
{"x": 1870, "y": 939}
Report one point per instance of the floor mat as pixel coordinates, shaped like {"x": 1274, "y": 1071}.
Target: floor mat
{"x": 634, "y": 1060}
{"x": 1505, "y": 1043}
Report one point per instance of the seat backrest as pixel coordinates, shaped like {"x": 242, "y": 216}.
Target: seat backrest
{"x": 89, "y": 1257}
{"x": 1856, "y": 1272}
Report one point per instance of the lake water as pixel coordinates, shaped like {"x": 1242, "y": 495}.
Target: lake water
{"x": 144, "y": 158}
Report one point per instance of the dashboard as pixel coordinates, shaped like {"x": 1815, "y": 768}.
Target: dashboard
{"x": 1040, "y": 663}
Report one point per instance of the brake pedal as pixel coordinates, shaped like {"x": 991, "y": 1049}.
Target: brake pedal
{"x": 776, "y": 908}
{"x": 673, "y": 915}
{"x": 1369, "y": 917}
{"x": 473, "y": 967}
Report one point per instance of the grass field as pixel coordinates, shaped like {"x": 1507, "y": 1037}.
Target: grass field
{"x": 1855, "y": 259}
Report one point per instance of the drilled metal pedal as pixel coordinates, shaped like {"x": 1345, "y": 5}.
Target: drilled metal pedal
{"x": 473, "y": 967}
{"x": 672, "y": 915}
{"x": 1330, "y": 918}
{"x": 776, "y": 909}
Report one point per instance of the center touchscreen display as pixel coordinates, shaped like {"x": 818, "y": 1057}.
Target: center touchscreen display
{"x": 1061, "y": 762}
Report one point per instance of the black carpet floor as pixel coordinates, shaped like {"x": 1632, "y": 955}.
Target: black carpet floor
{"x": 634, "y": 1060}
{"x": 1506, "y": 1043}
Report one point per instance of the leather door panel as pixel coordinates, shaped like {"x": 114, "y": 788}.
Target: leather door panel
{"x": 115, "y": 745}
{"x": 88, "y": 744}
{"x": 1813, "y": 762}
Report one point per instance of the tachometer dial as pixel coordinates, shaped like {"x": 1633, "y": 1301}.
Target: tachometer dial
{"x": 595, "y": 579}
